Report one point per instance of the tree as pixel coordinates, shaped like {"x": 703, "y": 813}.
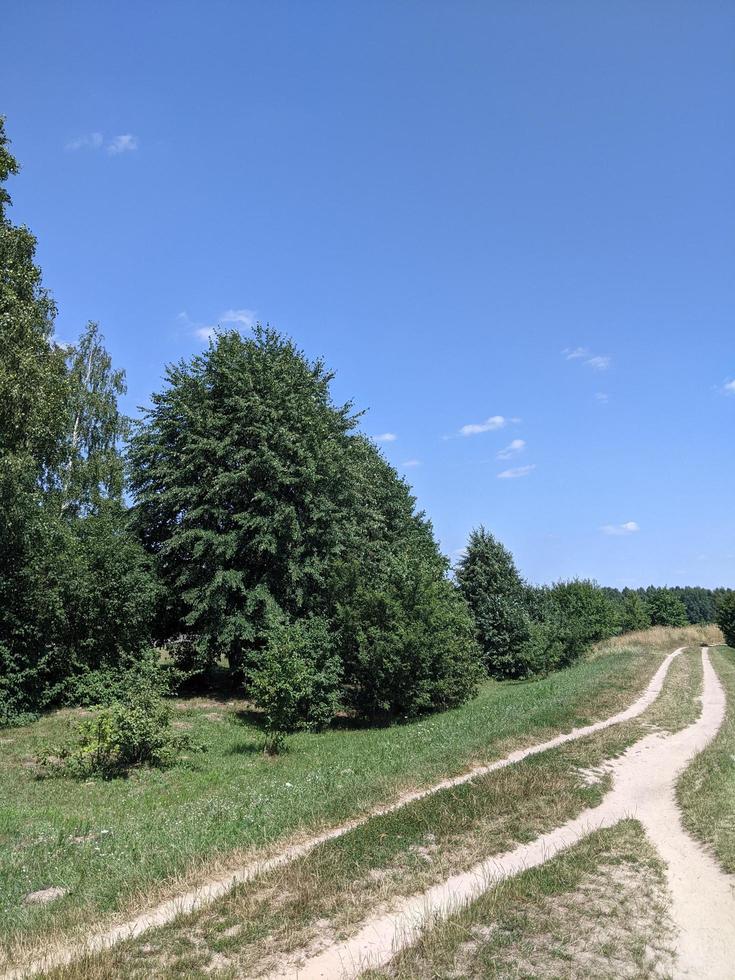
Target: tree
{"x": 490, "y": 583}
{"x": 726, "y": 616}
{"x": 665, "y": 607}
{"x": 236, "y": 473}
{"x": 74, "y": 585}
{"x": 262, "y": 507}
{"x": 93, "y": 467}
{"x": 581, "y": 615}
{"x": 634, "y": 613}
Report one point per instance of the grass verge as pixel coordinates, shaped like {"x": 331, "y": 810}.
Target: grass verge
{"x": 297, "y": 909}
{"x": 597, "y": 912}
{"x": 706, "y": 790}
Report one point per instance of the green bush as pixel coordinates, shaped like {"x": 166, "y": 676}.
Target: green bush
{"x": 726, "y": 617}
{"x": 132, "y": 732}
{"x": 666, "y": 608}
{"x": 297, "y": 682}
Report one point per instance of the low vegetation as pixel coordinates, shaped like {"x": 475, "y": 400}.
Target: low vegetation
{"x": 706, "y": 791}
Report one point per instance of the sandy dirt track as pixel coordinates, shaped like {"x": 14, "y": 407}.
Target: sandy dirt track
{"x": 644, "y": 781}
{"x": 209, "y": 892}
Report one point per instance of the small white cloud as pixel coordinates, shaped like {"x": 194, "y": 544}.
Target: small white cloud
{"x": 90, "y": 141}
{"x": 410, "y": 463}
{"x": 729, "y": 387}
{"x": 595, "y": 361}
{"x": 125, "y": 143}
{"x": 602, "y": 397}
{"x": 489, "y": 425}
{"x": 204, "y": 333}
{"x": 385, "y": 437}
{"x": 618, "y": 530}
{"x": 513, "y": 448}
{"x": 516, "y": 472}
{"x": 245, "y": 318}
{"x": 573, "y": 353}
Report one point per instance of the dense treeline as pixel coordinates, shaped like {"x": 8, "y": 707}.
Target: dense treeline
{"x": 242, "y": 525}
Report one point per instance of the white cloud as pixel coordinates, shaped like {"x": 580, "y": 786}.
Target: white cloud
{"x": 90, "y": 141}
{"x": 516, "y": 472}
{"x": 204, "y": 333}
{"x": 595, "y": 361}
{"x": 602, "y": 397}
{"x": 618, "y": 530}
{"x": 245, "y": 318}
{"x": 729, "y": 387}
{"x": 410, "y": 463}
{"x": 385, "y": 437}
{"x": 125, "y": 143}
{"x": 512, "y": 449}
{"x": 489, "y": 425}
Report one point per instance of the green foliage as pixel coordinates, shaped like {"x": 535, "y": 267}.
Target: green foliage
{"x": 297, "y": 682}
{"x": 131, "y": 732}
{"x": 408, "y": 642}
{"x": 261, "y": 507}
{"x": 634, "y": 612}
{"x": 490, "y": 583}
{"x": 726, "y": 616}
{"x": 76, "y": 592}
{"x": 666, "y": 608}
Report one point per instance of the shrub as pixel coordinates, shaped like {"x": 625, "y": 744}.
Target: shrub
{"x": 131, "y": 732}
{"x": 297, "y": 681}
{"x": 634, "y": 613}
{"x": 409, "y": 644}
{"x": 726, "y": 617}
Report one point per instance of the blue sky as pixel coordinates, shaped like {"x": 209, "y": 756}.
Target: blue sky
{"x": 509, "y": 226}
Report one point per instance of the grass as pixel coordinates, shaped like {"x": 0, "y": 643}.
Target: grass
{"x": 326, "y": 893}
{"x": 597, "y": 911}
{"x": 706, "y": 790}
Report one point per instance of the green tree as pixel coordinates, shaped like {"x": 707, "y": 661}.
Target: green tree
{"x": 726, "y": 616}
{"x": 490, "y": 583}
{"x": 634, "y": 613}
{"x": 665, "y": 607}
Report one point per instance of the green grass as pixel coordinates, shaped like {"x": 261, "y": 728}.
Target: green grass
{"x": 329, "y": 890}
{"x": 597, "y": 911}
{"x": 706, "y": 790}
{"x": 119, "y": 845}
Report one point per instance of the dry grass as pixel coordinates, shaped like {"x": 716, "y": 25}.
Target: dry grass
{"x": 660, "y": 638}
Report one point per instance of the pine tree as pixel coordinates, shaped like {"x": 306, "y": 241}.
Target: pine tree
{"x": 490, "y": 583}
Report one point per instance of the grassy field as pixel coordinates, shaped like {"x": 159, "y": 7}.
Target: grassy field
{"x": 706, "y": 791}
{"x": 119, "y": 845}
{"x": 326, "y": 894}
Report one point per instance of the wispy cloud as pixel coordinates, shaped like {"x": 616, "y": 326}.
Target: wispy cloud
{"x": 241, "y": 319}
{"x": 516, "y": 472}
{"x": 513, "y": 448}
{"x": 602, "y": 397}
{"x": 245, "y": 318}
{"x": 489, "y": 425}
{"x": 385, "y": 437}
{"x": 597, "y": 362}
{"x": 89, "y": 141}
{"x": 124, "y": 143}
{"x": 411, "y": 463}
{"x": 619, "y": 530}
{"x": 729, "y": 387}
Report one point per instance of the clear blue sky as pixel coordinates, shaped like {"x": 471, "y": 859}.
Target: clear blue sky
{"x": 447, "y": 200}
